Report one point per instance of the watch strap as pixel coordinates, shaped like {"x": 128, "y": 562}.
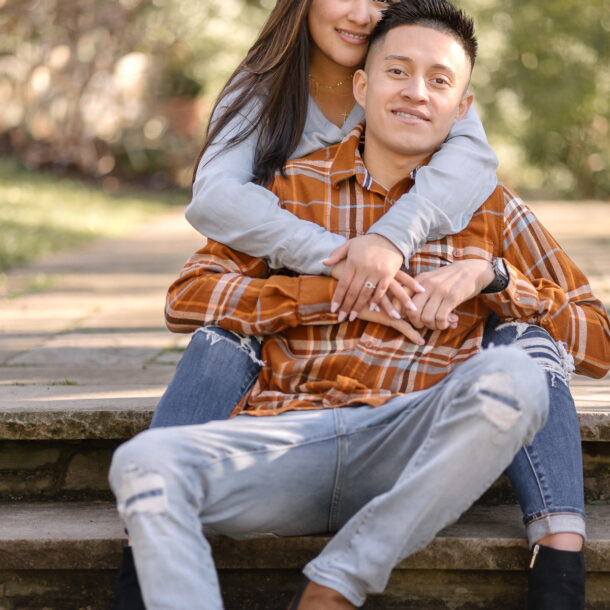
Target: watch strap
{"x": 501, "y": 279}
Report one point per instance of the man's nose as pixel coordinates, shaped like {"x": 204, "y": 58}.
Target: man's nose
{"x": 415, "y": 89}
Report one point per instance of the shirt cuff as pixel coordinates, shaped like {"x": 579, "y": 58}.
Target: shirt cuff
{"x": 314, "y": 297}
{"x": 519, "y": 300}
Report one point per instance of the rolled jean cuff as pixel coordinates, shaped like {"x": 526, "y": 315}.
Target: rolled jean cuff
{"x": 555, "y": 523}
{"x": 332, "y": 583}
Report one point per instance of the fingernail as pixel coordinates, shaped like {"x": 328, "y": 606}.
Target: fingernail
{"x": 333, "y": 307}
{"x": 374, "y": 307}
{"x": 419, "y": 288}
{"x": 377, "y": 308}
{"x": 353, "y": 315}
{"x": 342, "y": 315}
{"x": 411, "y": 306}
{"x": 395, "y": 314}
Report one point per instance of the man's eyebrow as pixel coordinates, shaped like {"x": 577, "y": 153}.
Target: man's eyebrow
{"x": 406, "y": 58}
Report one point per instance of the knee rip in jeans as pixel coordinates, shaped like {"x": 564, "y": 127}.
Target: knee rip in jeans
{"x": 499, "y": 408}
{"x": 551, "y": 356}
{"x": 242, "y": 343}
{"x": 141, "y": 492}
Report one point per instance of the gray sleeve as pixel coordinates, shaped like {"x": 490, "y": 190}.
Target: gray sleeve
{"x": 459, "y": 178}
{"x": 229, "y": 208}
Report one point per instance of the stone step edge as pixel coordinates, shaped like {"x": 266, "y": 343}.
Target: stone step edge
{"x": 89, "y": 536}
{"x": 121, "y": 424}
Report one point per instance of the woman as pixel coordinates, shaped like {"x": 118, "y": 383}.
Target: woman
{"x": 298, "y": 79}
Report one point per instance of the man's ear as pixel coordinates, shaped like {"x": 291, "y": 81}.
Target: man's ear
{"x": 464, "y": 107}
{"x": 360, "y": 84}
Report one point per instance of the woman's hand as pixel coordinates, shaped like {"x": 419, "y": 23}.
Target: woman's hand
{"x": 371, "y": 268}
{"x": 393, "y": 320}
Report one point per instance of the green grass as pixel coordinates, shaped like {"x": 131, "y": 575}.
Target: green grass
{"x": 42, "y": 213}
{"x": 64, "y": 382}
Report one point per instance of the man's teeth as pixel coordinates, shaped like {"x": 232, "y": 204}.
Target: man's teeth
{"x": 407, "y": 115}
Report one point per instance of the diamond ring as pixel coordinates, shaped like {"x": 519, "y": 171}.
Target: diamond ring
{"x": 369, "y": 285}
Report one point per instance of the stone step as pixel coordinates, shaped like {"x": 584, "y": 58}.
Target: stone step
{"x": 114, "y": 403}
{"x": 56, "y": 439}
{"x": 77, "y": 470}
{"x": 65, "y": 555}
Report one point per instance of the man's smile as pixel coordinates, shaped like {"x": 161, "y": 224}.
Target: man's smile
{"x": 411, "y": 114}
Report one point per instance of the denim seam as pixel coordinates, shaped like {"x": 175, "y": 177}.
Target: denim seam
{"x": 249, "y": 382}
{"x": 552, "y": 512}
{"x": 341, "y": 444}
{"x": 539, "y": 485}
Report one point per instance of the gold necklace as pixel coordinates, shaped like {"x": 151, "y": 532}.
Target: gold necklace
{"x": 330, "y": 88}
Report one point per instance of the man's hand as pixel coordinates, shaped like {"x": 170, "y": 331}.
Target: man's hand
{"x": 372, "y": 263}
{"x": 402, "y": 326}
{"x": 446, "y": 289}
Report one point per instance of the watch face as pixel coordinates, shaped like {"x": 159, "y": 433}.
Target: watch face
{"x": 499, "y": 268}
{"x": 500, "y": 282}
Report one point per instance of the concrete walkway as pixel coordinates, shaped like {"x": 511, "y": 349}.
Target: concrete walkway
{"x": 85, "y": 329}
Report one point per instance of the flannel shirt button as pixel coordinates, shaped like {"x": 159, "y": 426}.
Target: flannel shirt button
{"x": 517, "y": 298}
{"x": 457, "y": 252}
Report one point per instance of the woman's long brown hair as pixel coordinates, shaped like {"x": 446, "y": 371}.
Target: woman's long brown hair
{"x": 276, "y": 71}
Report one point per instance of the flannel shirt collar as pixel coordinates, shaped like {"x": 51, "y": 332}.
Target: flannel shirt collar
{"x": 348, "y": 164}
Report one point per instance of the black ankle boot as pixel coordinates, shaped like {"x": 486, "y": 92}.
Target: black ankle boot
{"x": 556, "y": 580}
{"x": 127, "y": 594}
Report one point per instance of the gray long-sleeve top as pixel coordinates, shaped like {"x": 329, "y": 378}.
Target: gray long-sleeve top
{"x": 229, "y": 208}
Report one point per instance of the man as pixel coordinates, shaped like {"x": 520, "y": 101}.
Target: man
{"x": 376, "y": 436}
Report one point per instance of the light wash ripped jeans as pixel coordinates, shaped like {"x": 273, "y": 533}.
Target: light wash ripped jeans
{"x": 219, "y": 366}
{"x": 386, "y": 479}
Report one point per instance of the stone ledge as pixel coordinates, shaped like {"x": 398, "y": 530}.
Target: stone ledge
{"x": 82, "y": 536}
{"x": 76, "y": 470}
{"x": 117, "y": 403}
{"x": 132, "y": 415}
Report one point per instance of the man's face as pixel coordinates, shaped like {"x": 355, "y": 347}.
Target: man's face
{"x": 413, "y": 89}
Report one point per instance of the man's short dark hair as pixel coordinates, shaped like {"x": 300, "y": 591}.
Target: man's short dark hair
{"x": 437, "y": 14}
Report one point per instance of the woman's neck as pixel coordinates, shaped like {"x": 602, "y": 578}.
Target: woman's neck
{"x": 328, "y": 73}
{"x": 330, "y": 84}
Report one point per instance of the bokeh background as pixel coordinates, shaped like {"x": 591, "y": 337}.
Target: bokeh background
{"x": 124, "y": 87}
{"x": 119, "y": 91}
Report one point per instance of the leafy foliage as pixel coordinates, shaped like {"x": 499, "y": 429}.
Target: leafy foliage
{"x": 116, "y": 87}
{"x": 123, "y": 88}
{"x": 543, "y": 83}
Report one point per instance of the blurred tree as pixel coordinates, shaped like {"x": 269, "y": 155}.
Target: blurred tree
{"x": 544, "y": 86}
{"x": 117, "y": 87}
{"x": 123, "y": 87}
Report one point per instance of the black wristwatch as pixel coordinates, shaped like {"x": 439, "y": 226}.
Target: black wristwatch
{"x": 500, "y": 282}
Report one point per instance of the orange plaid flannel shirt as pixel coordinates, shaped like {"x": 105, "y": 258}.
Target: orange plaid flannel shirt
{"x": 313, "y": 362}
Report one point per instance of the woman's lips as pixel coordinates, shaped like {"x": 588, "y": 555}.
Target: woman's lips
{"x": 353, "y": 37}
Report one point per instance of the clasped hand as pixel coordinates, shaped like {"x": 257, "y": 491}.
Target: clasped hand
{"x": 372, "y": 287}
